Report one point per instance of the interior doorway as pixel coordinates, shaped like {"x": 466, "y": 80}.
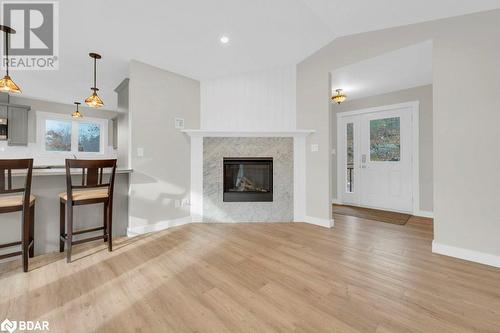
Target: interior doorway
{"x": 382, "y": 132}
{"x": 377, "y": 161}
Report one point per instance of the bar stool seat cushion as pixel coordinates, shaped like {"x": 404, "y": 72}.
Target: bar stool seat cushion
{"x": 86, "y": 194}
{"x": 14, "y": 200}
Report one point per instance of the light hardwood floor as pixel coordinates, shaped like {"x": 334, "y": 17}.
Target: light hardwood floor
{"x": 360, "y": 276}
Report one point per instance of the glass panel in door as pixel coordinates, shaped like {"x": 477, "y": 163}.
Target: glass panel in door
{"x": 385, "y": 140}
{"x": 349, "y": 157}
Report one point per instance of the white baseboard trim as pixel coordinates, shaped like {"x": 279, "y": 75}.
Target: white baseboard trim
{"x": 319, "y": 222}
{"x": 465, "y": 254}
{"x": 336, "y": 201}
{"x": 162, "y": 225}
{"x": 424, "y": 213}
{"x": 239, "y": 222}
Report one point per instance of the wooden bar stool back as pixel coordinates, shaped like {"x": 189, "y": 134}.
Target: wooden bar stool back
{"x": 92, "y": 190}
{"x": 19, "y": 199}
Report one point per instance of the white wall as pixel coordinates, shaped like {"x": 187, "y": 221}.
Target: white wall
{"x": 255, "y": 101}
{"x": 162, "y": 175}
{"x": 466, "y": 179}
{"x": 466, "y": 168}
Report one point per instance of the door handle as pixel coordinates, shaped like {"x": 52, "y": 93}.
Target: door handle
{"x": 363, "y": 161}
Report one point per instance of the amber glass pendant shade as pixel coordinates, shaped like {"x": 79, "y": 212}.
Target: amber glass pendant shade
{"x": 94, "y": 101}
{"x": 340, "y": 97}
{"x": 8, "y": 86}
{"x": 77, "y": 113}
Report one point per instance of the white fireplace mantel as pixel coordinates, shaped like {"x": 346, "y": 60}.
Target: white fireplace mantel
{"x": 199, "y": 133}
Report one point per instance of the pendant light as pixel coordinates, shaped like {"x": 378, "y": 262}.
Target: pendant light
{"x": 340, "y": 97}
{"x": 77, "y": 113}
{"x": 6, "y": 84}
{"x": 93, "y": 100}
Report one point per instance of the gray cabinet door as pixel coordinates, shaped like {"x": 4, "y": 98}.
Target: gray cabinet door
{"x": 115, "y": 133}
{"x": 18, "y": 126}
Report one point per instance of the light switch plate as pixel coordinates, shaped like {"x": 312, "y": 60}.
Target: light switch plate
{"x": 140, "y": 152}
{"x": 314, "y": 147}
{"x": 179, "y": 123}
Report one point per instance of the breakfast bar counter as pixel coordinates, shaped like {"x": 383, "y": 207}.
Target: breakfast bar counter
{"x": 47, "y": 183}
{"x": 60, "y": 170}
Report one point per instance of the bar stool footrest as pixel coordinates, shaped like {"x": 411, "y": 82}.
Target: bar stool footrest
{"x": 10, "y": 244}
{"x": 78, "y": 232}
{"x": 8, "y": 255}
{"x": 90, "y": 239}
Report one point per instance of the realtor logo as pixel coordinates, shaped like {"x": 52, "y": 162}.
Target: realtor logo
{"x": 35, "y": 45}
{"x": 8, "y": 326}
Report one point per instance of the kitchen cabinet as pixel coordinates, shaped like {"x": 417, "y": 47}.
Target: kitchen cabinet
{"x": 18, "y": 125}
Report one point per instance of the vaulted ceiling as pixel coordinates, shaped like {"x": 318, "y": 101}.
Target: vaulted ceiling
{"x": 183, "y": 36}
{"x": 401, "y": 69}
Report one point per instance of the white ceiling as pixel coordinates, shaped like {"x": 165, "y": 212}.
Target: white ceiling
{"x": 183, "y": 36}
{"x": 401, "y": 69}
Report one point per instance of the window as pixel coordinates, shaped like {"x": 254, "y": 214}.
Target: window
{"x": 57, "y": 135}
{"x": 62, "y": 133}
{"x": 89, "y": 137}
{"x": 385, "y": 140}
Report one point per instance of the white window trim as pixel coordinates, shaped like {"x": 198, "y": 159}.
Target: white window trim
{"x": 41, "y": 117}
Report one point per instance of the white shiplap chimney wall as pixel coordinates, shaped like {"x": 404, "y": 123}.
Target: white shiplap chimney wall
{"x": 259, "y": 101}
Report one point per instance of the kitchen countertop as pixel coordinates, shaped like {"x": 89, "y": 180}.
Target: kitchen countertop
{"x": 58, "y": 171}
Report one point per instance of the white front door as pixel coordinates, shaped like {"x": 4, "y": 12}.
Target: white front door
{"x": 376, "y": 158}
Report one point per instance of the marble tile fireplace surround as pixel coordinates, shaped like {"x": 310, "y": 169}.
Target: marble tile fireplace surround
{"x": 215, "y": 209}
{"x": 285, "y": 150}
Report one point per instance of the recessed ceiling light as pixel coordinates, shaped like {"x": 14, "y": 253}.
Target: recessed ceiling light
{"x": 224, "y": 39}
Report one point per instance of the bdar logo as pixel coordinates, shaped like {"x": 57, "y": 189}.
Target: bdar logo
{"x": 8, "y": 326}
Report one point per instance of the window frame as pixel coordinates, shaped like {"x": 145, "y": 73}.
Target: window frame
{"x": 42, "y": 117}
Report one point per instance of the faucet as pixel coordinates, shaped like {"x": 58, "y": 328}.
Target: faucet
{"x": 75, "y": 157}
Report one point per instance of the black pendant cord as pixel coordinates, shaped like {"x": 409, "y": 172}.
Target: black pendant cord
{"x": 7, "y": 52}
{"x": 95, "y": 74}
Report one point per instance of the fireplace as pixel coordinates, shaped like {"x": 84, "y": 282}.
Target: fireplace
{"x": 248, "y": 179}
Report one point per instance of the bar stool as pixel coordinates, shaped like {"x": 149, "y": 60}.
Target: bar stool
{"x": 91, "y": 191}
{"x": 24, "y": 202}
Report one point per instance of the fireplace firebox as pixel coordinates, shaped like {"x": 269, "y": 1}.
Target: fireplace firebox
{"x": 248, "y": 179}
